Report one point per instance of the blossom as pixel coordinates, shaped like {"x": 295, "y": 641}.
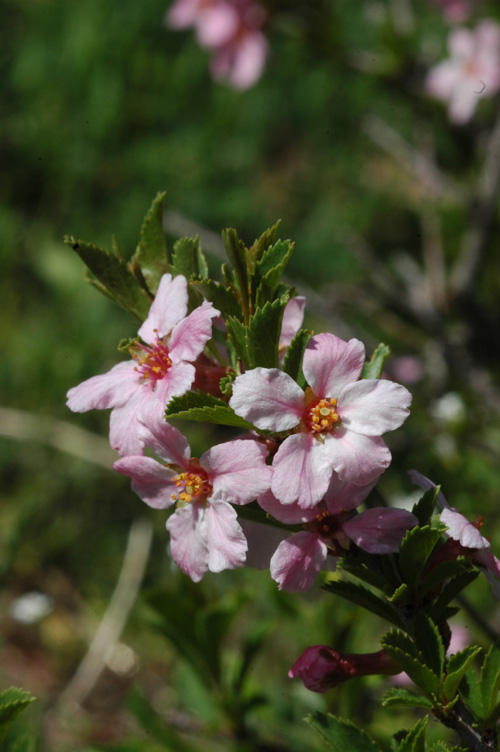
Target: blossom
{"x": 471, "y": 72}
{"x": 455, "y": 11}
{"x": 329, "y": 528}
{"x": 293, "y": 317}
{"x": 204, "y": 530}
{"x": 160, "y": 369}
{"x": 232, "y": 30}
{"x": 336, "y": 425}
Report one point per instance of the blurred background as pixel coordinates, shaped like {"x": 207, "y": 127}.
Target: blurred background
{"x": 393, "y": 205}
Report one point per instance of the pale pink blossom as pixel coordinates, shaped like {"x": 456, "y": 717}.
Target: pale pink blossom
{"x": 329, "y": 528}
{"x": 471, "y": 73}
{"x": 455, "y": 11}
{"x": 160, "y": 368}
{"x": 204, "y": 531}
{"x": 336, "y": 425}
{"x": 293, "y": 318}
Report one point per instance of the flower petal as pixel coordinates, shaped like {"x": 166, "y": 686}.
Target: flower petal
{"x": 176, "y": 382}
{"x": 151, "y": 481}
{"x": 111, "y": 389}
{"x": 192, "y": 333}
{"x": 293, "y": 316}
{"x": 379, "y": 530}
{"x": 357, "y": 458}
{"x": 330, "y": 363}
{"x": 237, "y": 470}
{"x": 188, "y": 540}
{"x": 263, "y": 540}
{"x": 343, "y": 496}
{"x": 301, "y": 471}
{"x": 461, "y": 530}
{"x": 227, "y": 545}
{"x": 124, "y": 427}
{"x": 297, "y": 561}
{"x": 168, "y": 307}
{"x": 290, "y": 514}
{"x": 373, "y": 406}
{"x": 164, "y": 439}
{"x": 268, "y": 398}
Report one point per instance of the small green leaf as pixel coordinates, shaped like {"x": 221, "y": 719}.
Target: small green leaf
{"x": 373, "y": 368}
{"x": 395, "y": 697}
{"x": 237, "y": 254}
{"x": 261, "y": 245}
{"x": 270, "y": 268}
{"x": 428, "y": 641}
{"x": 415, "y": 739}
{"x": 400, "y": 648}
{"x": 452, "y": 588}
{"x": 423, "y": 509}
{"x": 362, "y": 572}
{"x": 151, "y": 254}
{"x": 365, "y": 598}
{"x": 341, "y": 735}
{"x": 263, "y": 334}
{"x": 238, "y": 339}
{"x": 114, "y": 275}
{"x": 292, "y": 365}
{"x": 12, "y": 702}
{"x": 222, "y": 297}
{"x": 470, "y": 692}
{"x": 400, "y": 595}
{"x": 416, "y": 548}
{"x": 457, "y": 667}
{"x": 490, "y": 679}
{"x": 203, "y": 407}
{"x": 444, "y": 571}
{"x": 185, "y": 257}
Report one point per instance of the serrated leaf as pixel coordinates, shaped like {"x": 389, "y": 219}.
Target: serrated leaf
{"x": 222, "y": 297}
{"x": 185, "y": 257}
{"x": 263, "y": 334}
{"x": 470, "y": 692}
{"x": 400, "y": 595}
{"x": 363, "y": 597}
{"x": 414, "y": 553}
{"x": 403, "y": 697}
{"x": 260, "y": 245}
{"x": 237, "y": 332}
{"x": 237, "y": 254}
{"x": 341, "y": 735}
{"x": 400, "y": 648}
{"x": 373, "y": 368}
{"x": 362, "y": 572}
{"x": 114, "y": 275}
{"x": 424, "y": 507}
{"x": 12, "y": 702}
{"x": 269, "y": 270}
{"x": 151, "y": 255}
{"x": 444, "y": 571}
{"x": 292, "y": 364}
{"x": 490, "y": 679}
{"x": 428, "y": 641}
{"x": 452, "y": 588}
{"x": 203, "y": 407}
{"x": 415, "y": 739}
{"x": 457, "y": 667}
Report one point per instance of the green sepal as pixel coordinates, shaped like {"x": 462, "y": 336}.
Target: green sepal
{"x": 12, "y": 702}
{"x": 237, "y": 254}
{"x": 292, "y": 364}
{"x": 269, "y": 270}
{"x": 120, "y": 283}
{"x": 470, "y": 693}
{"x": 226, "y": 384}
{"x": 456, "y": 668}
{"x": 222, "y": 297}
{"x": 126, "y": 343}
{"x": 400, "y": 647}
{"x": 444, "y": 571}
{"x": 415, "y": 551}
{"x": 490, "y": 679}
{"x": 203, "y": 407}
{"x": 372, "y": 369}
{"x": 424, "y": 507}
{"x": 151, "y": 256}
{"x": 403, "y": 697}
{"x": 452, "y": 588}
{"x": 360, "y": 595}
{"x": 341, "y": 735}
{"x": 428, "y": 641}
{"x": 263, "y": 334}
{"x": 414, "y": 741}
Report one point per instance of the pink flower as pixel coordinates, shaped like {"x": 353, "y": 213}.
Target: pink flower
{"x": 159, "y": 369}
{"x": 293, "y": 318}
{"x": 335, "y": 426}
{"x": 471, "y": 72}
{"x": 322, "y": 668}
{"x": 328, "y": 528}
{"x": 455, "y": 11}
{"x": 204, "y": 530}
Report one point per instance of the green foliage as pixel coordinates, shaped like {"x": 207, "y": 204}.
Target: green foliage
{"x": 416, "y": 549}
{"x": 428, "y": 641}
{"x": 292, "y": 363}
{"x": 151, "y": 256}
{"x": 12, "y": 702}
{"x": 341, "y": 735}
{"x": 424, "y": 507}
{"x": 490, "y": 680}
{"x": 203, "y": 407}
{"x": 365, "y": 598}
{"x": 372, "y": 369}
{"x": 401, "y": 648}
{"x": 457, "y": 667}
{"x": 404, "y": 698}
{"x": 414, "y": 741}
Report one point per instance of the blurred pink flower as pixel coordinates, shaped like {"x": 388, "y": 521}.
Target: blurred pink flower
{"x": 455, "y": 11}
{"x": 471, "y": 72}
{"x": 232, "y": 30}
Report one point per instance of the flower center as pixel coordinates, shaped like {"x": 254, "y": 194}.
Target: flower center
{"x": 192, "y": 486}
{"x": 152, "y": 361}
{"x": 329, "y": 526}
{"x": 322, "y": 417}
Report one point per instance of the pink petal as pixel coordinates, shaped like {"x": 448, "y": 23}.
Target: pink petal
{"x": 342, "y": 496}
{"x": 301, "y": 471}
{"x": 168, "y": 307}
{"x": 217, "y": 24}
{"x": 357, "y": 458}
{"x": 379, "y": 530}
{"x": 227, "y": 545}
{"x": 297, "y": 561}
{"x": 263, "y": 540}
{"x": 268, "y": 398}
{"x": 164, "y": 439}
{"x": 151, "y": 481}
{"x": 237, "y": 470}
{"x": 290, "y": 514}
{"x": 192, "y": 333}
{"x": 249, "y": 58}
{"x": 111, "y": 389}
{"x": 176, "y": 381}
{"x": 293, "y": 318}
{"x": 183, "y": 13}
{"x": 330, "y": 364}
{"x": 461, "y": 530}
{"x": 188, "y": 540}
{"x": 124, "y": 426}
{"x": 373, "y": 406}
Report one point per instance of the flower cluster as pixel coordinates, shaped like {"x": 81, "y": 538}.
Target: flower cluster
{"x": 232, "y": 30}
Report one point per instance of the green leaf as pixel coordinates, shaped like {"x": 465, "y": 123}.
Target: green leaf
{"x": 490, "y": 679}
{"x": 403, "y": 697}
{"x": 341, "y": 735}
{"x": 12, "y": 702}
{"x": 292, "y": 365}
{"x": 270, "y": 268}
{"x": 424, "y": 507}
{"x": 444, "y": 571}
{"x": 260, "y": 245}
{"x": 400, "y": 648}
{"x": 362, "y": 572}
{"x": 416, "y": 548}
{"x": 238, "y": 339}
{"x": 452, "y": 588}
{"x": 470, "y": 692}
{"x": 457, "y": 667}
{"x": 365, "y": 598}
{"x": 151, "y": 254}
{"x": 400, "y": 595}
{"x": 415, "y": 739}
{"x": 203, "y": 407}
{"x": 222, "y": 297}
{"x": 428, "y": 641}
{"x": 185, "y": 257}
{"x": 237, "y": 254}
{"x": 114, "y": 275}
{"x": 373, "y": 368}
{"x": 263, "y": 334}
